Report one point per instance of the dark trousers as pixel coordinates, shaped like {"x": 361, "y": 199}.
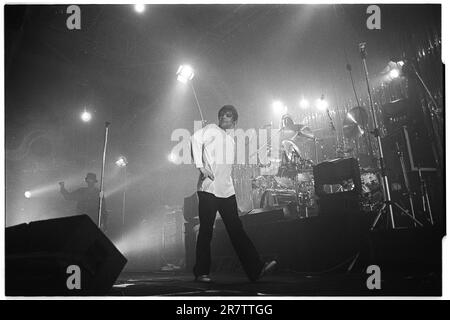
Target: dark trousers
{"x": 246, "y": 251}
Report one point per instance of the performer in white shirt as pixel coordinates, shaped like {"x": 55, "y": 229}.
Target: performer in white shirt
{"x": 213, "y": 153}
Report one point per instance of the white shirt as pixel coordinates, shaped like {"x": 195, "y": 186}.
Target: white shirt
{"x": 213, "y": 149}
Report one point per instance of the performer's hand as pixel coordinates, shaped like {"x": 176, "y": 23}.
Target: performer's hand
{"x": 206, "y": 173}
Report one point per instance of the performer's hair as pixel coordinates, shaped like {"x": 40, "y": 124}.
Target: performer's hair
{"x": 228, "y": 108}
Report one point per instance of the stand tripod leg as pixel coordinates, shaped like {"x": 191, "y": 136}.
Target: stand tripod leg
{"x": 405, "y": 212}
{"x": 380, "y": 212}
{"x": 429, "y": 206}
{"x": 352, "y": 264}
{"x": 388, "y": 192}
{"x": 425, "y": 197}
{"x": 406, "y": 180}
{"x": 411, "y": 205}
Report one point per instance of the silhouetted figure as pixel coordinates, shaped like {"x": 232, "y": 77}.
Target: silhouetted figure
{"x": 88, "y": 199}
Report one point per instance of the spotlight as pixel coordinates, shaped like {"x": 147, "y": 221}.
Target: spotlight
{"x": 172, "y": 158}
{"x": 27, "y": 194}
{"x": 394, "y": 73}
{"x": 279, "y": 107}
{"x": 185, "y": 73}
{"x": 121, "y": 162}
{"x": 304, "y": 104}
{"x": 321, "y": 104}
{"x": 139, "y": 8}
{"x": 393, "y": 70}
{"x": 86, "y": 116}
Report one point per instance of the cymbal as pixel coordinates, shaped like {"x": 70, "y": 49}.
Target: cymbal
{"x": 306, "y": 132}
{"x": 355, "y": 123}
{"x": 297, "y": 130}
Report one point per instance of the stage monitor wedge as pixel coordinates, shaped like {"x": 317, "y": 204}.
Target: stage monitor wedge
{"x": 60, "y": 257}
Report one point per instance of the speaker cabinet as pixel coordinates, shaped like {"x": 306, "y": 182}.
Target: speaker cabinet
{"x": 64, "y": 256}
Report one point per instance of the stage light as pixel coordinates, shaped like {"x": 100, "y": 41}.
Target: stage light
{"x": 185, "y": 73}
{"x": 321, "y": 104}
{"x": 27, "y": 194}
{"x": 139, "y": 8}
{"x": 393, "y": 70}
{"x": 304, "y": 104}
{"x": 86, "y": 116}
{"x": 172, "y": 158}
{"x": 394, "y": 73}
{"x": 121, "y": 162}
{"x": 279, "y": 107}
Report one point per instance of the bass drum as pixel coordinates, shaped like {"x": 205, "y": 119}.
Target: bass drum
{"x": 370, "y": 182}
{"x": 275, "y": 198}
{"x": 372, "y": 190}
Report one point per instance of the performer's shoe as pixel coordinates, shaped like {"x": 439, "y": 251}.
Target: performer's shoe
{"x": 203, "y": 278}
{"x": 267, "y": 269}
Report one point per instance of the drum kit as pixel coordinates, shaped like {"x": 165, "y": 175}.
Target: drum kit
{"x": 288, "y": 179}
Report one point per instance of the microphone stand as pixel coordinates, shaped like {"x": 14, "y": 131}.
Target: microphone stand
{"x": 368, "y": 142}
{"x": 349, "y": 69}
{"x": 387, "y": 203}
{"x": 333, "y": 129}
{"x": 103, "y": 174}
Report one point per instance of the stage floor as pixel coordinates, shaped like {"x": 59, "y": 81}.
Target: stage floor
{"x": 277, "y": 284}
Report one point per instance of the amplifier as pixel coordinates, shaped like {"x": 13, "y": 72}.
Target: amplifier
{"x": 338, "y": 186}
{"x": 339, "y": 175}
